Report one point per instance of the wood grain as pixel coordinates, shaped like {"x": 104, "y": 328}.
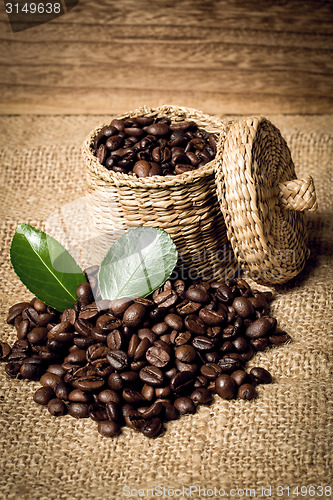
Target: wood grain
{"x": 220, "y": 56}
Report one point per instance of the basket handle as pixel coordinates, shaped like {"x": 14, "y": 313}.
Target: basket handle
{"x": 298, "y": 194}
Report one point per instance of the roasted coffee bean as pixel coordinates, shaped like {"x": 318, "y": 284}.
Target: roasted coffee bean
{"x": 12, "y": 369}
{"x": 89, "y": 311}
{"x": 259, "y": 328}
{"x": 184, "y": 405}
{"x": 16, "y": 310}
{"x": 69, "y": 315}
{"x": 240, "y": 344}
{"x": 56, "y": 369}
{"x": 78, "y": 410}
{"x": 158, "y": 356}
{"x": 187, "y": 307}
{"x": 163, "y": 392}
{"x": 154, "y": 410}
{"x": 84, "y": 293}
{"x": 141, "y": 168}
{"x": 118, "y": 359}
{"x": 108, "y": 322}
{"x": 197, "y": 294}
{"x": 210, "y": 371}
{"x": 129, "y": 376}
{"x": 279, "y": 339}
{"x": 113, "y": 411}
{"x": 212, "y": 318}
{"x": 56, "y": 407}
{"x": 148, "y": 392}
{"x": 182, "y": 381}
{"x": 194, "y": 324}
{"x": 76, "y": 357}
{"x": 261, "y": 375}
{"x": 152, "y": 375}
{"x": 147, "y": 333}
{"x": 229, "y": 364}
{"x": 50, "y": 380}
{"x": 239, "y": 376}
{"x": 89, "y": 384}
{"x": 115, "y": 382}
{"x": 62, "y": 390}
{"x": 225, "y": 386}
{"x": 174, "y": 321}
{"x": 224, "y": 294}
{"x": 180, "y": 338}
{"x": 43, "y": 395}
{"x": 79, "y": 396}
{"x": 200, "y": 381}
{"x": 259, "y": 344}
{"x": 152, "y": 427}
{"x": 186, "y": 367}
{"x": 203, "y": 344}
{"x": 246, "y": 391}
{"x": 5, "y": 351}
{"x": 31, "y": 368}
{"x": 37, "y": 335}
{"x": 185, "y": 353}
{"x": 108, "y": 396}
{"x": 243, "y": 307}
{"x": 62, "y": 332}
{"x": 115, "y": 340}
{"x": 23, "y": 329}
{"x": 119, "y": 306}
{"x": 134, "y": 314}
{"x": 108, "y": 428}
{"x": 201, "y": 396}
{"x": 132, "y": 396}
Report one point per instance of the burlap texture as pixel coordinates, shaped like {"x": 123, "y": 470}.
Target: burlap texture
{"x": 282, "y": 438}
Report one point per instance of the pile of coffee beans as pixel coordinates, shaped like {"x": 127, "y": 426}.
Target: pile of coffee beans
{"x": 145, "y": 146}
{"x": 144, "y": 361}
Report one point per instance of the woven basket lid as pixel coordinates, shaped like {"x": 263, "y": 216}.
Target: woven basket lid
{"x": 262, "y": 201}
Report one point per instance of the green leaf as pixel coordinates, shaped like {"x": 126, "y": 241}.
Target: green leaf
{"x": 138, "y": 263}
{"x": 45, "y": 267}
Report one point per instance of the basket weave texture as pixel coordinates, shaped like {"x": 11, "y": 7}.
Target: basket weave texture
{"x": 186, "y": 205}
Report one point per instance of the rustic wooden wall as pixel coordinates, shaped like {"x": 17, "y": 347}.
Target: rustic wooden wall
{"x": 221, "y": 56}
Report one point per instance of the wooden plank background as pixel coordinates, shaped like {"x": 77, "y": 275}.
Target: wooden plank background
{"x": 220, "y": 56}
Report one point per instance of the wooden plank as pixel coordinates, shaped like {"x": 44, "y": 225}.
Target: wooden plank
{"x": 222, "y": 57}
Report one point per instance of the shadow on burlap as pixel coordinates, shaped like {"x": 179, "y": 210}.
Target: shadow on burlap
{"x": 282, "y": 438}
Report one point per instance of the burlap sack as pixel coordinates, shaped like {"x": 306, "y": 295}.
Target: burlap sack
{"x": 281, "y": 439}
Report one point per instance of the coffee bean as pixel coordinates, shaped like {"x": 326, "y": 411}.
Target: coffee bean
{"x": 147, "y": 333}
{"x": 185, "y": 353}
{"x": 201, "y": 396}
{"x": 152, "y": 375}
{"x": 174, "y": 321}
{"x": 259, "y": 344}
{"x": 184, "y": 405}
{"x": 229, "y": 364}
{"x": 43, "y": 395}
{"x": 182, "y": 381}
{"x": 279, "y": 339}
{"x": 148, "y": 392}
{"x": 79, "y": 396}
{"x": 132, "y": 396}
{"x": 118, "y": 359}
{"x": 247, "y": 391}
{"x": 89, "y": 384}
{"x": 180, "y": 338}
{"x": 50, "y": 380}
{"x": 158, "y": 356}
{"x": 115, "y": 340}
{"x": 5, "y": 351}
{"x": 62, "y": 332}
{"x": 108, "y": 428}
{"x": 194, "y": 324}
{"x": 197, "y": 294}
{"x": 210, "y": 371}
{"x": 203, "y": 344}
{"x": 37, "y": 335}
{"x": 56, "y": 407}
{"x": 225, "y": 386}
{"x": 134, "y": 315}
{"x": 212, "y": 318}
{"x": 129, "y": 376}
{"x": 108, "y": 396}
{"x": 261, "y": 375}
{"x": 259, "y": 328}
{"x": 78, "y": 410}
{"x": 239, "y": 376}
{"x": 62, "y": 390}
{"x": 115, "y": 382}
{"x": 243, "y": 307}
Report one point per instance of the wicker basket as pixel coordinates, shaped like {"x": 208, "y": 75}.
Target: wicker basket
{"x": 218, "y": 214}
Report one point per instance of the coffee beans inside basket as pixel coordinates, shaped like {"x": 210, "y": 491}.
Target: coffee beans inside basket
{"x": 146, "y": 146}
{"x": 145, "y": 361}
